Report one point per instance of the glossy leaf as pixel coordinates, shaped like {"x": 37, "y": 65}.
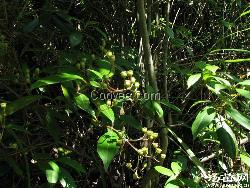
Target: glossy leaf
{"x": 176, "y": 167}
{"x": 244, "y": 93}
{"x": 54, "y": 79}
{"x": 107, "y": 112}
{"x": 193, "y": 79}
{"x": 245, "y": 158}
{"x": 203, "y": 119}
{"x": 164, "y": 171}
{"x": 107, "y": 147}
{"x": 157, "y": 108}
{"x": 82, "y": 101}
{"x": 169, "y": 105}
{"x": 226, "y": 137}
{"x": 242, "y": 119}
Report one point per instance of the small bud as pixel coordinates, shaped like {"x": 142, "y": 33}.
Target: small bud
{"x": 132, "y": 79}
{"x": 124, "y": 74}
{"x": 130, "y": 73}
{"x": 163, "y": 156}
{"x": 144, "y": 129}
{"x": 155, "y": 145}
{"x": 145, "y": 150}
{"x": 158, "y": 150}
{"x": 129, "y": 165}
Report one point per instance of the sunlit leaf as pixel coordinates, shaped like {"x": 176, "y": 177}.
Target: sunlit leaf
{"x": 82, "y": 101}
{"x": 193, "y": 79}
{"x": 244, "y": 93}
{"x": 169, "y": 105}
{"x": 164, "y": 171}
{"x": 107, "y": 112}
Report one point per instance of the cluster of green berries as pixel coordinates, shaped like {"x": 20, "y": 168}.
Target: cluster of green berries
{"x": 130, "y": 82}
{"x": 152, "y": 136}
{"x": 81, "y": 65}
{"x": 110, "y": 55}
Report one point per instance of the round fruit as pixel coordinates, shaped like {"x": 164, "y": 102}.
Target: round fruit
{"x": 137, "y": 85}
{"x": 127, "y": 83}
{"x": 109, "y": 54}
{"x": 132, "y": 79}
{"x": 144, "y": 129}
{"x": 158, "y": 150}
{"x": 130, "y": 73}
{"x": 124, "y": 74}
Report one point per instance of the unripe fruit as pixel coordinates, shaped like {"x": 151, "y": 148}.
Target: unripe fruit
{"x": 109, "y": 54}
{"x": 135, "y": 176}
{"x": 155, "y": 145}
{"x": 137, "y": 85}
{"x": 130, "y": 73}
{"x": 144, "y": 129}
{"x": 145, "y": 150}
{"x": 124, "y": 74}
{"x": 163, "y": 156}
{"x": 3, "y": 105}
{"x": 140, "y": 152}
{"x": 109, "y": 102}
{"x": 150, "y": 133}
{"x": 158, "y": 150}
{"x": 155, "y": 135}
{"x": 132, "y": 79}
{"x": 127, "y": 83}
{"x": 129, "y": 165}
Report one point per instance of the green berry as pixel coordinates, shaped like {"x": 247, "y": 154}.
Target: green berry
{"x": 127, "y": 84}
{"x": 140, "y": 152}
{"x": 132, "y": 79}
{"x": 158, "y": 150}
{"x": 129, "y": 165}
{"x": 124, "y": 74}
{"x": 163, "y": 156}
{"x": 130, "y": 73}
{"x": 144, "y": 129}
{"x": 3, "y": 105}
{"x": 155, "y": 145}
{"x": 137, "y": 85}
{"x": 145, "y": 150}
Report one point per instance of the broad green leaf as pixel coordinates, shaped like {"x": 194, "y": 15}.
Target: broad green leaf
{"x": 245, "y": 83}
{"x": 31, "y": 26}
{"x": 107, "y": 112}
{"x": 73, "y": 163}
{"x": 82, "y": 101}
{"x": 226, "y": 137}
{"x": 95, "y": 84}
{"x": 54, "y": 79}
{"x": 245, "y": 158}
{"x": 203, "y": 119}
{"x": 176, "y": 167}
{"x": 21, "y": 103}
{"x": 244, "y": 93}
{"x": 95, "y": 74}
{"x": 212, "y": 68}
{"x": 199, "y": 102}
{"x": 239, "y": 117}
{"x": 157, "y": 108}
{"x": 164, "y": 171}
{"x": 105, "y": 68}
{"x": 66, "y": 179}
{"x": 193, "y": 79}
{"x": 52, "y": 176}
{"x": 170, "y": 32}
{"x": 107, "y": 147}
{"x": 168, "y": 104}
{"x": 75, "y": 38}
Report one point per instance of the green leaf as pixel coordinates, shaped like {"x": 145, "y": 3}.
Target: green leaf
{"x": 226, "y": 137}
{"x": 203, "y": 119}
{"x": 82, "y": 101}
{"x": 107, "y": 147}
{"x": 193, "y": 79}
{"x": 170, "y": 32}
{"x": 176, "y": 167}
{"x": 54, "y": 79}
{"x": 245, "y": 83}
{"x": 31, "y": 26}
{"x": 157, "y": 108}
{"x": 75, "y": 38}
{"x": 164, "y": 171}
{"x": 74, "y": 164}
{"x": 21, "y": 103}
{"x": 107, "y": 112}
{"x": 244, "y": 93}
{"x": 237, "y": 60}
{"x": 53, "y": 129}
{"x": 168, "y": 104}
{"x": 245, "y": 158}
{"x": 245, "y": 13}
{"x": 95, "y": 74}
{"x": 105, "y": 68}
{"x": 242, "y": 119}
{"x": 52, "y": 174}
{"x": 212, "y": 68}
{"x": 66, "y": 179}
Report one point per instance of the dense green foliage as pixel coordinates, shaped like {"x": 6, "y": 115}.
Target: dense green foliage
{"x": 123, "y": 93}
